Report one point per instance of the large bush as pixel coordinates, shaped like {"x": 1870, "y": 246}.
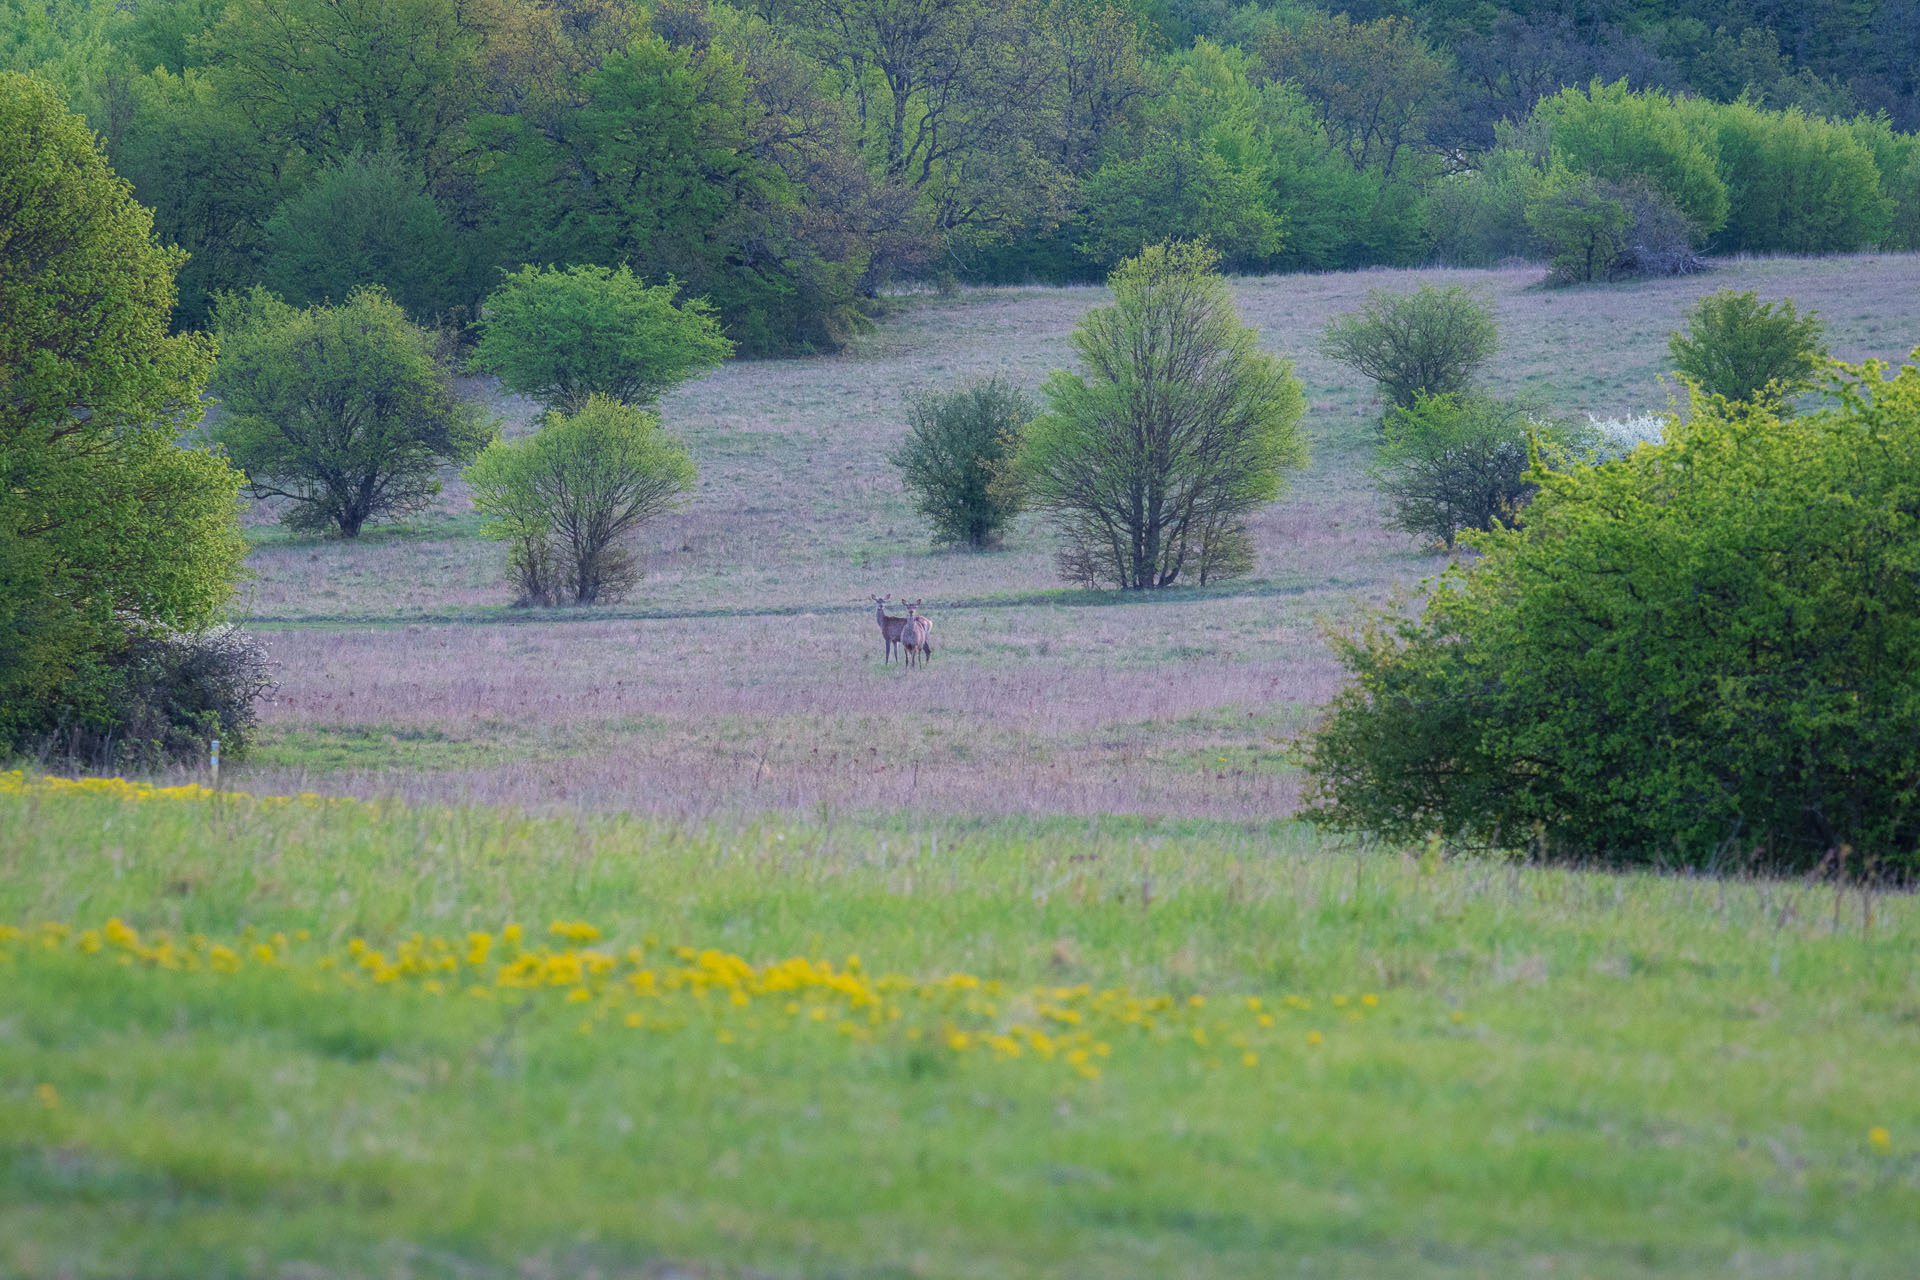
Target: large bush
{"x": 1795, "y": 183}
{"x": 1704, "y": 653}
{"x": 954, "y": 454}
{"x": 347, "y": 412}
{"x": 1743, "y": 349}
{"x": 1611, "y": 132}
{"x": 109, "y": 527}
{"x": 1451, "y": 464}
{"x": 565, "y": 498}
{"x": 1432, "y": 341}
{"x": 565, "y": 336}
{"x": 1178, "y": 427}
{"x": 172, "y": 694}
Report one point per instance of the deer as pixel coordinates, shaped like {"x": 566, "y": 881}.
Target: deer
{"x": 917, "y": 636}
{"x": 891, "y": 628}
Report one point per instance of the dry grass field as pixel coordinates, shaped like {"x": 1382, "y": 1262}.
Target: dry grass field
{"x": 745, "y": 674}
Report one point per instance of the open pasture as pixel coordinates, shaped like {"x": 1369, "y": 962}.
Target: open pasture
{"x": 745, "y": 673}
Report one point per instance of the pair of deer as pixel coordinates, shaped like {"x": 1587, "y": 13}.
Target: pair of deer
{"x": 912, "y": 633}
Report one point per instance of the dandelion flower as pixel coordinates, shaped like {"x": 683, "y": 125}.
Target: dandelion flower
{"x": 1314, "y": 1037}
{"x": 1249, "y": 1059}
{"x": 50, "y": 1097}
{"x": 1370, "y": 1000}
{"x": 1877, "y": 1138}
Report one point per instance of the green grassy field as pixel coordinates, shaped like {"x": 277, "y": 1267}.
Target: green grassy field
{"x": 1403, "y": 1066}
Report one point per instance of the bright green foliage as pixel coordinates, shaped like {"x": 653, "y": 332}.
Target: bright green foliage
{"x": 365, "y": 221}
{"x": 346, "y": 411}
{"x": 1177, "y": 189}
{"x": 954, "y": 453}
{"x": 1795, "y": 184}
{"x": 106, "y": 523}
{"x": 1705, "y": 653}
{"x": 1612, "y": 132}
{"x": 1740, "y": 348}
{"x": 564, "y": 497}
{"x": 1150, "y": 459}
{"x": 565, "y": 336}
{"x": 1453, "y": 463}
{"x": 1433, "y": 340}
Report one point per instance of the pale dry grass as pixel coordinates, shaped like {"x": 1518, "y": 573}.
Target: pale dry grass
{"x": 746, "y": 671}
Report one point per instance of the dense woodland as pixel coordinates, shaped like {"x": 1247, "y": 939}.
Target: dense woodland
{"x": 792, "y": 159}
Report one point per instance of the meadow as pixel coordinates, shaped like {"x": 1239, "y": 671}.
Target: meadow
{"x": 745, "y": 673}
{"x": 327, "y": 1038}
{"x": 683, "y": 938}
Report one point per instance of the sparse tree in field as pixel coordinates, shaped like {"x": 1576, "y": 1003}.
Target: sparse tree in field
{"x": 1177, "y": 427}
{"x": 1454, "y": 463}
{"x": 1741, "y": 348}
{"x": 1434, "y": 340}
{"x": 565, "y": 497}
{"x": 109, "y": 528}
{"x": 348, "y": 411}
{"x": 955, "y": 449}
{"x": 566, "y": 335}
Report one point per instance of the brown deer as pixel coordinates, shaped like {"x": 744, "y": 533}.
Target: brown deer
{"x": 917, "y": 636}
{"x": 891, "y": 628}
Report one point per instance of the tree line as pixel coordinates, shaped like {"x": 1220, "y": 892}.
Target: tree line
{"x": 788, "y": 160}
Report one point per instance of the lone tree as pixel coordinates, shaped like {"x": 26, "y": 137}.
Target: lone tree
{"x": 1738, "y": 347}
{"x": 564, "y": 336}
{"x": 109, "y": 529}
{"x": 1150, "y": 460}
{"x": 1431, "y": 340}
{"x": 954, "y": 452}
{"x": 564, "y": 497}
{"x": 345, "y": 410}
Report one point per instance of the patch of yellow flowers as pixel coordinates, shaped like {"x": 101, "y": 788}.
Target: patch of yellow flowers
{"x": 678, "y": 990}
{"x": 17, "y": 783}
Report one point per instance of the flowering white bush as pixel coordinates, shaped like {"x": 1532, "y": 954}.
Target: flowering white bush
{"x": 1617, "y": 437}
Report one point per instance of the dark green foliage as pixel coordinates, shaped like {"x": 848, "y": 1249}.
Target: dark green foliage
{"x": 1745, "y": 350}
{"x": 1703, "y": 654}
{"x": 564, "y": 498}
{"x": 109, "y": 527}
{"x": 1598, "y": 229}
{"x": 366, "y": 221}
{"x": 1433, "y": 340}
{"x": 1795, "y": 184}
{"x": 171, "y": 695}
{"x": 1610, "y": 132}
{"x": 1450, "y": 464}
{"x": 1150, "y": 459}
{"x": 565, "y": 336}
{"x": 1177, "y": 189}
{"x": 956, "y": 444}
{"x": 347, "y": 412}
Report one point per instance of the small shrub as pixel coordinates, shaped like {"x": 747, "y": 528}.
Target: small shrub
{"x": 1431, "y": 341}
{"x": 1738, "y": 347}
{"x": 1705, "y": 653}
{"x": 1454, "y": 463}
{"x": 1595, "y": 229}
{"x": 159, "y": 700}
{"x": 565, "y": 497}
{"x": 956, "y": 444}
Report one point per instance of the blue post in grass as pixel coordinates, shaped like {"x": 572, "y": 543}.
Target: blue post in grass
{"x": 213, "y": 758}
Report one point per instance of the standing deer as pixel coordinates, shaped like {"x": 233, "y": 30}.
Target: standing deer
{"x": 917, "y": 635}
{"x": 891, "y": 628}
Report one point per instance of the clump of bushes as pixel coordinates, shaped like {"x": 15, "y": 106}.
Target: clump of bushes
{"x": 1740, "y": 348}
{"x": 956, "y": 448}
{"x": 1703, "y": 653}
{"x": 566, "y": 499}
{"x": 1454, "y": 463}
{"x": 1433, "y": 341}
{"x": 162, "y": 698}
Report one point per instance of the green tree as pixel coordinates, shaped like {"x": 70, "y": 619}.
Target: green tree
{"x": 1450, "y": 464}
{"x": 954, "y": 454}
{"x": 564, "y": 336}
{"x": 109, "y": 525}
{"x": 1745, "y": 350}
{"x": 365, "y": 221}
{"x": 1704, "y": 653}
{"x": 1582, "y": 223}
{"x": 346, "y": 411}
{"x": 564, "y": 497}
{"x": 1433, "y": 340}
{"x": 1795, "y": 184}
{"x": 1177, "y": 188}
{"x": 1610, "y": 131}
{"x": 1178, "y": 427}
